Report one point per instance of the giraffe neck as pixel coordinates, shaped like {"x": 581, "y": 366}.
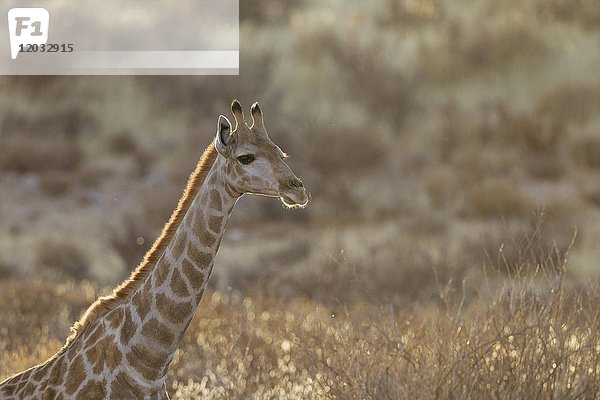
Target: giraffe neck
{"x": 161, "y": 309}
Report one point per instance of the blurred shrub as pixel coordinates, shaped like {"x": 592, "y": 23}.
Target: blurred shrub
{"x": 496, "y": 198}
{"x": 374, "y": 85}
{"x": 402, "y": 13}
{"x": 90, "y": 175}
{"x": 592, "y": 194}
{"x": 539, "y": 133}
{"x": 398, "y": 275}
{"x": 491, "y": 41}
{"x": 122, "y": 142}
{"x": 55, "y": 183}
{"x": 494, "y": 125}
{"x": 586, "y": 151}
{"x": 63, "y": 258}
{"x": 545, "y": 167}
{"x": 345, "y": 152}
{"x": 23, "y": 154}
{"x": 583, "y": 12}
{"x": 134, "y": 241}
{"x": 6, "y": 271}
{"x": 572, "y": 103}
{"x": 70, "y": 122}
{"x": 264, "y": 11}
{"x": 442, "y": 188}
{"x": 500, "y": 41}
{"x": 125, "y": 144}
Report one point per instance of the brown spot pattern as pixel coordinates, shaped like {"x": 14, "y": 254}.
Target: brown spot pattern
{"x": 92, "y": 390}
{"x": 207, "y": 239}
{"x": 179, "y": 244}
{"x": 59, "y": 368}
{"x": 27, "y": 390}
{"x": 148, "y": 363}
{"x": 115, "y": 317}
{"x": 141, "y": 301}
{"x": 178, "y": 285}
{"x": 199, "y": 257}
{"x": 75, "y": 376}
{"x": 198, "y": 217}
{"x": 214, "y": 223}
{"x": 153, "y": 329}
{"x": 113, "y": 355}
{"x": 41, "y": 372}
{"x": 173, "y": 311}
{"x": 162, "y": 271}
{"x": 215, "y": 201}
{"x": 9, "y": 390}
{"x": 128, "y": 328}
{"x": 25, "y": 376}
{"x": 49, "y": 394}
{"x": 120, "y": 389}
{"x": 95, "y": 335}
{"x": 95, "y": 357}
{"x": 193, "y": 274}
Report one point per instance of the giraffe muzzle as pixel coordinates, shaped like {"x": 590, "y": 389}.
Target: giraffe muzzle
{"x": 294, "y": 194}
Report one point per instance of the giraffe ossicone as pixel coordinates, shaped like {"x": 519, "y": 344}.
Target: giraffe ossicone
{"x": 122, "y": 346}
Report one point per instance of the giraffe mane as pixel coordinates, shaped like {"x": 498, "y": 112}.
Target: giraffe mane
{"x": 122, "y": 292}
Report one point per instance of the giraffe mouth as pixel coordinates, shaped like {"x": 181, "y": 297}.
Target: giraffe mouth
{"x": 294, "y": 203}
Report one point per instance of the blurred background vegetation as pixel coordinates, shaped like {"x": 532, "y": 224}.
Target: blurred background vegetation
{"x": 434, "y": 135}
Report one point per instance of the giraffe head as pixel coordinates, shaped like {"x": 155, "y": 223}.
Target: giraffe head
{"x": 253, "y": 163}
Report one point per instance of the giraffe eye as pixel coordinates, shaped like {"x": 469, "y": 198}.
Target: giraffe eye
{"x": 246, "y": 159}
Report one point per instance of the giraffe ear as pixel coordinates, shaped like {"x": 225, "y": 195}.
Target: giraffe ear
{"x": 223, "y": 134}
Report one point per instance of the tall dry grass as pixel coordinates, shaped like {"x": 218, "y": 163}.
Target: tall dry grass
{"x": 521, "y": 330}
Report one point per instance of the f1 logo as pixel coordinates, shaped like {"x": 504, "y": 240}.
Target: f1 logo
{"x": 27, "y": 26}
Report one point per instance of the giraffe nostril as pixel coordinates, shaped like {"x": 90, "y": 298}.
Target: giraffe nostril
{"x": 296, "y": 183}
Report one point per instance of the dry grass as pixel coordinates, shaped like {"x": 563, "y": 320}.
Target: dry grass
{"x": 531, "y": 335}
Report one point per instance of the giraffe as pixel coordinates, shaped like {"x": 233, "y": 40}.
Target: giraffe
{"x": 122, "y": 346}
